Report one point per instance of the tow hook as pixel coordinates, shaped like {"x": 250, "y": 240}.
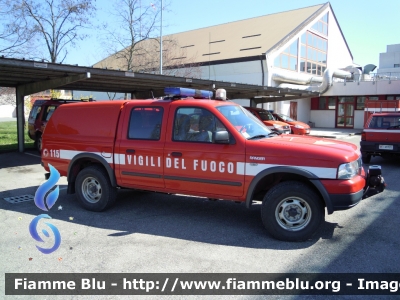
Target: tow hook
{"x": 374, "y": 182}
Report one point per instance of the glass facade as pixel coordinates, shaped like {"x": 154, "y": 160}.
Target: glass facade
{"x": 322, "y": 25}
{"x": 288, "y": 58}
{"x": 313, "y": 51}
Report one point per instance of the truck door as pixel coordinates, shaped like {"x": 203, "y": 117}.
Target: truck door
{"x": 139, "y": 155}
{"x": 193, "y": 163}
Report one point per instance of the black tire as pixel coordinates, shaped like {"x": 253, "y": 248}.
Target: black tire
{"x": 94, "y": 188}
{"x": 297, "y": 198}
{"x": 366, "y": 158}
{"x": 38, "y": 142}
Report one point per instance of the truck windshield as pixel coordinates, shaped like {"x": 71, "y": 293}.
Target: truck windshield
{"x": 265, "y": 115}
{"x": 244, "y": 122}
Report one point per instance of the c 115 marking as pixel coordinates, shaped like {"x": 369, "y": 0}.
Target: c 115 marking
{"x": 55, "y": 153}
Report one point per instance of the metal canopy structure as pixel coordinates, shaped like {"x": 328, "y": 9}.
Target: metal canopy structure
{"x": 29, "y": 77}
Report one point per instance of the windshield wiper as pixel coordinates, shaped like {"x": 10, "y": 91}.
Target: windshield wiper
{"x": 260, "y": 136}
{"x": 274, "y": 132}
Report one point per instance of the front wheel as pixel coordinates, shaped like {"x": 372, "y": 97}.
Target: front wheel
{"x": 94, "y": 188}
{"x": 291, "y": 211}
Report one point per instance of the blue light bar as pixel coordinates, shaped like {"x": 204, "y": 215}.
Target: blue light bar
{"x": 186, "y": 92}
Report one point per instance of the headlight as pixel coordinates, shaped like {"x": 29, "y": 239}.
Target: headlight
{"x": 277, "y": 126}
{"x": 349, "y": 170}
{"x": 299, "y": 126}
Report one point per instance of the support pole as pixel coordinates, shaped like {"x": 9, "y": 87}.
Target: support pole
{"x": 161, "y": 39}
{"x": 20, "y": 118}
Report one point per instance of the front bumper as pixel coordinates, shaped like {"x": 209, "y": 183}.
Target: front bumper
{"x": 301, "y": 131}
{"x": 374, "y": 184}
{"x": 343, "y": 202}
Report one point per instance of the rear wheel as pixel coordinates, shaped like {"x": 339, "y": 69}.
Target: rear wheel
{"x": 94, "y": 188}
{"x": 291, "y": 211}
{"x": 38, "y": 142}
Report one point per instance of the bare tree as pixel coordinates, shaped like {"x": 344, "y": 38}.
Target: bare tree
{"x": 133, "y": 42}
{"x": 7, "y": 96}
{"x": 14, "y": 32}
{"x": 176, "y": 60}
{"x": 54, "y": 24}
{"x": 132, "y": 24}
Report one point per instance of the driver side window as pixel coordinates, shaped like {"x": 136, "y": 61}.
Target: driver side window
{"x": 195, "y": 125}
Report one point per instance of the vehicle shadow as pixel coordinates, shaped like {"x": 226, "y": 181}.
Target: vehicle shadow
{"x": 181, "y": 217}
{"x": 18, "y": 159}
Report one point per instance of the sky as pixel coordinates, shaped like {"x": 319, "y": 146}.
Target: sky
{"x": 368, "y": 25}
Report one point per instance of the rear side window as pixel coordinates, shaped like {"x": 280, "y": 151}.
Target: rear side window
{"x": 35, "y": 111}
{"x": 385, "y": 122}
{"x": 145, "y": 123}
{"x": 49, "y": 111}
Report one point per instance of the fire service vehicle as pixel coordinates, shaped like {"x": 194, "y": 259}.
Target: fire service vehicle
{"x": 186, "y": 143}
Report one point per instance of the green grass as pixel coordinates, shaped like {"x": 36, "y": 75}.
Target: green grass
{"x": 8, "y": 136}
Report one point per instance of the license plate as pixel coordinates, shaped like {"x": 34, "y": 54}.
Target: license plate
{"x": 386, "y": 147}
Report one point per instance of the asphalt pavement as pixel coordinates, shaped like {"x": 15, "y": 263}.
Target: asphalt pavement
{"x": 334, "y": 132}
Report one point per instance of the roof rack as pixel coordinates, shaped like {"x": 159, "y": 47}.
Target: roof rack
{"x": 73, "y": 100}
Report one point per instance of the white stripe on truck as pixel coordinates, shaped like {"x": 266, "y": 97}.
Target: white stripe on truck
{"x": 249, "y": 169}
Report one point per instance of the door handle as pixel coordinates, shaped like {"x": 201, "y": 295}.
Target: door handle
{"x": 130, "y": 151}
{"x": 176, "y": 154}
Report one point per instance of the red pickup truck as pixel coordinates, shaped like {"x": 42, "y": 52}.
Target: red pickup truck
{"x": 381, "y": 136}
{"x": 202, "y": 147}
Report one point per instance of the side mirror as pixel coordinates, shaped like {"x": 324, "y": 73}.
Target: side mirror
{"x": 221, "y": 137}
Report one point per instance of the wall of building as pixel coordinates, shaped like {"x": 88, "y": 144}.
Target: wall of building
{"x": 8, "y": 111}
{"x": 303, "y": 108}
{"x": 339, "y": 55}
{"x": 240, "y": 72}
{"x": 358, "y": 119}
{"x": 364, "y": 88}
{"x": 323, "y": 118}
{"x": 242, "y": 102}
{"x": 388, "y": 59}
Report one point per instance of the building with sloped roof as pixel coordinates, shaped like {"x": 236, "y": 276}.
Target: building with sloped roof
{"x": 299, "y": 49}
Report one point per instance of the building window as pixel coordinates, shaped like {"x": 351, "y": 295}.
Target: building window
{"x": 360, "y": 103}
{"x": 346, "y": 99}
{"x": 397, "y": 65}
{"x": 313, "y": 53}
{"x": 373, "y": 98}
{"x": 288, "y": 58}
{"x": 393, "y": 97}
{"x": 327, "y": 103}
{"x": 322, "y": 25}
